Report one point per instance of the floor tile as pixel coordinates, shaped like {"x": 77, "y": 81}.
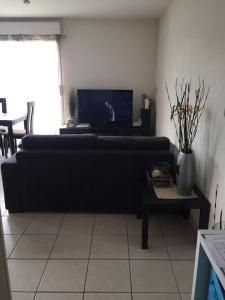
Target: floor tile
{"x": 14, "y": 224}
{"x": 186, "y": 296}
{"x": 184, "y": 273}
{"x": 10, "y": 242}
{"x": 75, "y": 215}
{"x": 50, "y": 215}
{"x": 78, "y": 224}
{"x": 2, "y": 197}
{"x": 107, "y": 296}
{"x": 134, "y": 225}
{"x": 152, "y": 276}
{"x": 181, "y": 247}
{"x": 108, "y": 276}
{"x": 25, "y": 274}
{"x": 33, "y": 246}
{"x": 24, "y": 214}
{"x": 2, "y": 207}
{"x": 157, "y": 249}
{"x": 71, "y": 246}
{"x": 64, "y": 276}
{"x": 22, "y": 296}
{"x": 110, "y": 224}
{"x": 176, "y": 225}
{"x": 109, "y": 246}
{"x": 59, "y": 296}
{"x": 44, "y": 224}
{"x": 156, "y": 296}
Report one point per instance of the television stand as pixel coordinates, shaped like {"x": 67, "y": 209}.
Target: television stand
{"x": 147, "y": 127}
{"x": 106, "y": 130}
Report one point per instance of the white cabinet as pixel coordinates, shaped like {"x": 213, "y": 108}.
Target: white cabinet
{"x": 204, "y": 262}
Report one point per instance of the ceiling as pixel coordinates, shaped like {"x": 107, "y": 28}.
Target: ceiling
{"x": 83, "y": 8}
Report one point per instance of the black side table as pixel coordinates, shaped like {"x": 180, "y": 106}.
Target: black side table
{"x": 150, "y": 200}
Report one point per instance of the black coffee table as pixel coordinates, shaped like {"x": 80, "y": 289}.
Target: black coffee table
{"x": 150, "y": 201}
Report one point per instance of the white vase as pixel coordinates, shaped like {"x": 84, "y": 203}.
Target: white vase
{"x": 186, "y": 173}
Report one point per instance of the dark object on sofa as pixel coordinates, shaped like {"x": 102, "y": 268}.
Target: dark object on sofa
{"x": 80, "y": 172}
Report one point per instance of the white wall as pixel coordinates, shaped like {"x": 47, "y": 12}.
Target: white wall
{"x": 192, "y": 43}
{"x": 109, "y": 54}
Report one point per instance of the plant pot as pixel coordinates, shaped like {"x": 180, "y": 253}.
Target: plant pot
{"x": 186, "y": 173}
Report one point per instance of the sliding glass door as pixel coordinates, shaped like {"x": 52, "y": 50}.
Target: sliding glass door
{"x": 29, "y": 71}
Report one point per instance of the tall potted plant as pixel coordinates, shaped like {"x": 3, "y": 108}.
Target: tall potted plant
{"x": 186, "y": 114}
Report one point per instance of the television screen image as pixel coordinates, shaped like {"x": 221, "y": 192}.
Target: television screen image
{"x": 105, "y": 106}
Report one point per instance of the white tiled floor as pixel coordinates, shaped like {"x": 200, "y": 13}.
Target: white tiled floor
{"x": 98, "y": 257}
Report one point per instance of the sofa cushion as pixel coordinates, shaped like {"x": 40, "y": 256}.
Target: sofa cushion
{"x": 59, "y": 142}
{"x": 132, "y": 143}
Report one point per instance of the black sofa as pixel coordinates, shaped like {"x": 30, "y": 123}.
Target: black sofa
{"x": 86, "y": 172}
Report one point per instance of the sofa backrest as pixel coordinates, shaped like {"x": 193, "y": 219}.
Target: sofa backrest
{"x": 133, "y": 143}
{"x": 59, "y": 142}
{"x": 91, "y": 141}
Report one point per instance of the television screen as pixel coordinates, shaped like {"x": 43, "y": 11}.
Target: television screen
{"x": 105, "y": 106}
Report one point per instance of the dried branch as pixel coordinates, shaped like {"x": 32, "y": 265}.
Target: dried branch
{"x": 186, "y": 116}
{"x": 196, "y": 127}
{"x": 172, "y": 117}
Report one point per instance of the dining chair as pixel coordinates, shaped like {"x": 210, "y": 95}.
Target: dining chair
{"x": 2, "y": 128}
{"x": 28, "y": 123}
{"x": 20, "y": 133}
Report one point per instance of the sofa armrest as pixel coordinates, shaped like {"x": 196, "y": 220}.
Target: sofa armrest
{"x": 10, "y": 179}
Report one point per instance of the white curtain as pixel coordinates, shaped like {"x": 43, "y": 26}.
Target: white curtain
{"x": 29, "y": 71}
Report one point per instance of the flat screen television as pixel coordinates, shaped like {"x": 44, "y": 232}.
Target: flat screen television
{"x": 105, "y": 107}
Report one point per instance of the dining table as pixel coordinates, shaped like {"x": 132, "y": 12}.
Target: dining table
{"x": 10, "y": 119}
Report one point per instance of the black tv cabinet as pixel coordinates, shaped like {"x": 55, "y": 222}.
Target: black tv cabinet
{"x": 145, "y": 129}
{"x": 132, "y": 130}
